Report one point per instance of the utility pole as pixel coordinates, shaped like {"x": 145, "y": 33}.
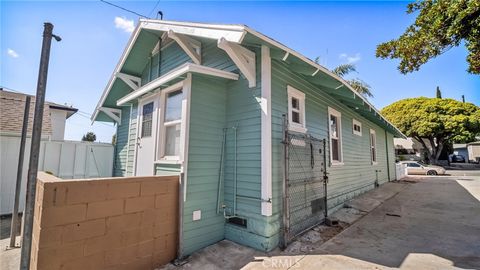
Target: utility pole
{"x": 463, "y": 98}
{"x": 35, "y": 148}
{"x": 14, "y": 225}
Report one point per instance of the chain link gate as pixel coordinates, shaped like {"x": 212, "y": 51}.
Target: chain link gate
{"x": 305, "y": 186}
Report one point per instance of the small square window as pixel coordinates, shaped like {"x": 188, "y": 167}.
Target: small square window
{"x": 357, "y": 127}
{"x": 296, "y": 110}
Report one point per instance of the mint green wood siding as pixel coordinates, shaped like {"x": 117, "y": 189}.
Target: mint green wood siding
{"x": 172, "y": 56}
{"x": 167, "y": 169}
{"x": 132, "y": 140}
{"x": 207, "y": 120}
{"x": 357, "y": 175}
{"x": 216, "y": 105}
{"x": 121, "y": 144}
{"x": 243, "y": 111}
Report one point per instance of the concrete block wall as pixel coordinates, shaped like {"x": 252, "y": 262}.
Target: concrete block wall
{"x": 109, "y": 223}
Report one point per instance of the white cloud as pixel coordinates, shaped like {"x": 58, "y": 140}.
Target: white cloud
{"x": 124, "y": 24}
{"x": 12, "y": 53}
{"x": 350, "y": 59}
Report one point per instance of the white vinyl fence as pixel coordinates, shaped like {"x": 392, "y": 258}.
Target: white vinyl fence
{"x": 401, "y": 170}
{"x": 64, "y": 159}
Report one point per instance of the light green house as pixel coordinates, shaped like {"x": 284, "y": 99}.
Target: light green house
{"x": 213, "y": 103}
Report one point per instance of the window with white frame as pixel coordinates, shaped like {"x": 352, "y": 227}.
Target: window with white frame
{"x": 357, "y": 127}
{"x": 373, "y": 146}
{"x": 335, "y": 134}
{"x": 296, "y": 110}
{"x": 171, "y": 125}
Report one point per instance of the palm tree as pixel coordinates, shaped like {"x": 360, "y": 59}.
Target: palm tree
{"x": 360, "y": 86}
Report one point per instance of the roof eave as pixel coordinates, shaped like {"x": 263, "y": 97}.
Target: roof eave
{"x": 320, "y": 68}
{"x": 235, "y": 37}
{"x": 117, "y": 69}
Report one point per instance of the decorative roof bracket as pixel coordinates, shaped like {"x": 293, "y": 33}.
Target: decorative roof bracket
{"x": 132, "y": 81}
{"x": 242, "y": 57}
{"x": 115, "y": 114}
{"x": 189, "y": 45}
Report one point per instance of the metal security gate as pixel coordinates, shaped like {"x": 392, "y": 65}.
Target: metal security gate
{"x": 305, "y": 184}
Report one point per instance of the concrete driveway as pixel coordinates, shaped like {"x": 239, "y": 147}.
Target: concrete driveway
{"x": 433, "y": 223}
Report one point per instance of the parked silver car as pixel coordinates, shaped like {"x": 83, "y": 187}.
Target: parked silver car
{"x": 414, "y": 167}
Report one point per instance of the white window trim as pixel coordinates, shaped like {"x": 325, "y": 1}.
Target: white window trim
{"x": 358, "y": 123}
{"x": 373, "y": 146}
{"x": 332, "y": 111}
{"x": 161, "y": 158}
{"x": 292, "y": 92}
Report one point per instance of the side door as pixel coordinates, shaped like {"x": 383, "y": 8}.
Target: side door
{"x": 146, "y": 136}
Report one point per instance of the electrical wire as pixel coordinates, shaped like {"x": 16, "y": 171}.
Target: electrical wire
{"x": 153, "y": 9}
{"x": 127, "y": 10}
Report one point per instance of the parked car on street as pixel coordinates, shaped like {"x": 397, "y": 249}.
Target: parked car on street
{"x": 414, "y": 167}
{"x": 458, "y": 159}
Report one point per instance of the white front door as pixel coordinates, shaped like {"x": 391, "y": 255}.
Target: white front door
{"x": 146, "y": 136}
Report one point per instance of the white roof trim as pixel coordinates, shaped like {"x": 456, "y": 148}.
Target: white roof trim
{"x": 233, "y": 33}
{"x": 289, "y": 51}
{"x": 181, "y": 70}
{"x": 116, "y": 70}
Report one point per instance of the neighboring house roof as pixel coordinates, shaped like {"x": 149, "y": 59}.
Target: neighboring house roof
{"x": 146, "y": 34}
{"x": 12, "y": 105}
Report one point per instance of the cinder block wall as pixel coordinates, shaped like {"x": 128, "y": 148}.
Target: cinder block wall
{"x": 114, "y": 223}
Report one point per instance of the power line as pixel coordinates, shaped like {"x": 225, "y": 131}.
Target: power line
{"x": 153, "y": 9}
{"x": 127, "y": 10}
{"x": 87, "y": 116}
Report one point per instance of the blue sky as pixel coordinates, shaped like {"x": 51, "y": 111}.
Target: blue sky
{"x": 94, "y": 35}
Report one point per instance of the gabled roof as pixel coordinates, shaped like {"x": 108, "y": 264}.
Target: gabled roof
{"x": 12, "y": 105}
{"x": 147, "y": 32}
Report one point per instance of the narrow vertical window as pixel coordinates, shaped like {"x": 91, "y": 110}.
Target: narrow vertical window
{"x": 296, "y": 110}
{"x": 335, "y": 134}
{"x": 147, "y": 117}
{"x": 172, "y": 123}
{"x": 373, "y": 146}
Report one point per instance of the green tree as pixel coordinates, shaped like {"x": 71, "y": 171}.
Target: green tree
{"x": 89, "y": 137}
{"x": 360, "y": 86}
{"x": 437, "y": 121}
{"x": 439, "y": 26}
{"x": 439, "y": 93}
